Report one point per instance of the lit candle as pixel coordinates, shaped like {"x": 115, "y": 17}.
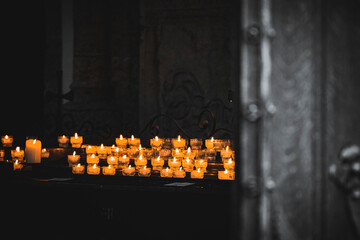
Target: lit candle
{"x": 156, "y": 142}
{"x": 157, "y": 163}
{"x": 92, "y": 159}
{"x": 17, "y": 154}
{"x": 188, "y": 164}
{"x": 179, "y": 173}
{"x": 121, "y": 141}
{"x": 91, "y": 150}
{"x": 174, "y": 163}
{"x": 140, "y": 162}
{"x": 109, "y": 170}
{"x": 201, "y": 164}
{"x": 45, "y": 153}
{"x": 93, "y": 169}
{"x": 73, "y": 159}
{"x": 165, "y": 153}
{"x": 115, "y": 152}
{"x": 178, "y": 142}
{"x": 197, "y": 174}
{"x": 145, "y": 172}
{"x": 129, "y": 171}
{"x": 123, "y": 161}
{"x": 33, "y": 151}
{"x": 112, "y": 160}
{"x": 227, "y": 153}
{"x": 76, "y": 141}
{"x": 177, "y": 153}
{"x": 168, "y": 173}
{"x": 134, "y": 142}
{"x": 226, "y": 175}
{"x": 190, "y": 154}
{"x": 7, "y": 140}
{"x": 102, "y": 152}
{"x": 17, "y": 165}
{"x": 78, "y": 169}
{"x": 209, "y": 143}
{"x": 229, "y": 164}
{"x": 63, "y": 141}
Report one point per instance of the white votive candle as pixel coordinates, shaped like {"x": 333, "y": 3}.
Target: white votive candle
{"x": 33, "y": 151}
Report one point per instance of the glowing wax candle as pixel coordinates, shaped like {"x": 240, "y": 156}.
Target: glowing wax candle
{"x": 190, "y": 154}
{"x": 201, "y": 164}
{"x": 78, "y": 169}
{"x": 140, "y": 162}
{"x": 63, "y": 141}
{"x": 92, "y": 159}
{"x": 93, "y": 169}
{"x": 168, "y": 173}
{"x": 229, "y": 164}
{"x": 121, "y": 141}
{"x": 17, "y": 165}
{"x": 91, "y": 150}
{"x": 73, "y": 159}
{"x": 109, "y": 170}
{"x": 197, "y": 174}
{"x": 102, "y": 152}
{"x": 157, "y": 163}
{"x": 7, "y": 140}
{"x": 177, "y": 153}
{"x": 188, "y": 164}
{"x": 156, "y": 142}
{"x": 76, "y": 141}
{"x": 144, "y": 172}
{"x": 178, "y": 142}
{"x": 179, "y": 173}
{"x": 226, "y": 175}
{"x": 45, "y": 153}
{"x": 129, "y": 171}
{"x": 226, "y": 153}
{"x": 33, "y": 151}
{"x": 134, "y": 142}
{"x": 174, "y": 163}
{"x": 209, "y": 143}
{"x": 123, "y": 161}
{"x": 17, "y": 154}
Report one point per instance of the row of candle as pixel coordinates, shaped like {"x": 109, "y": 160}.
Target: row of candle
{"x": 94, "y": 169}
{"x": 156, "y": 142}
{"x": 18, "y": 154}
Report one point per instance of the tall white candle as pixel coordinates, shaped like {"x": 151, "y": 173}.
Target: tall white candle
{"x": 33, "y": 151}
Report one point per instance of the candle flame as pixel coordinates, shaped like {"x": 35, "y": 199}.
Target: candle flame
{"x": 63, "y": 136}
{"x": 89, "y": 147}
{"x": 156, "y": 138}
{"x": 189, "y": 150}
{"x": 180, "y": 168}
{"x": 6, "y": 136}
{"x": 212, "y": 139}
{"x": 18, "y": 149}
{"x": 94, "y": 166}
{"x": 113, "y": 146}
{"x": 140, "y": 157}
{"x": 230, "y": 161}
{"x": 121, "y": 137}
{"x": 117, "y": 149}
{"x": 124, "y": 156}
{"x": 16, "y": 162}
{"x": 187, "y": 160}
{"x": 78, "y": 165}
{"x": 158, "y": 158}
{"x": 129, "y": 166}
{"x": 174, "y": 159}
{"x": 167, "y": 169}
{"x": 132, "y": 137}
{"x": 93, "y": 155}
{"x": 102, "y": 146}
{"x": 109, "y": 167}
{"x": 76, "y": 136}
{"x": 140, "y": 147}
{"x": 179, "y": 138}
{"x": 227, "y": 148}
{"x": 112, "y": 158}
{"x": 44, "y": 150}
{"x": 198, "y": 170}
{"x": 74, "y": 153}
{"x": 226, "y": 171}
{"x": 34, "y": 141}
{"x": 177, "y": 150}
{"x": 144, "y": 167}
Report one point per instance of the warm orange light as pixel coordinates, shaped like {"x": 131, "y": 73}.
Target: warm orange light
{"x": 198, "y": 170}
{"x": 6, "y": 136}
{"x": 132, "y": 137}
{"x": 74, "y": 153}
{"x": 212, "y": 139}
{"x": 177, "y": 150}
{"x": 189, "y": 150}
{"x": 78, "y": 165}
{"x": 140, "y": 147}
{"x": 63, "y": 136}
{"x": 121, "y": 137}
{"x": 226, "y": 171}
{"x": 156, "y": 138}
{"x": 179, "y": 138}
{"x": 18, "y": 149}
{"x": 187, "y": 160}
{"x": 167, "y": 169}
{"x": 109, "y": 167}
{"x": 140, "y": 157}
{"x": 93, "y": 155}
{"x": 16, "y": 162}
{"x": 34, "y": 141}
{"x": 129, "y": 166}
{"x": 94, "y": 166}
{"x": 227, "y": 148}
{"x": 76, "y": 136}
{"x": 158, "y": 158}
{"x": 124, "y": 156}
{"x": 102, "y": 146}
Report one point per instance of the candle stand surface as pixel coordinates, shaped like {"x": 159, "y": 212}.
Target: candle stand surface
{"x": 70, "y": 205}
